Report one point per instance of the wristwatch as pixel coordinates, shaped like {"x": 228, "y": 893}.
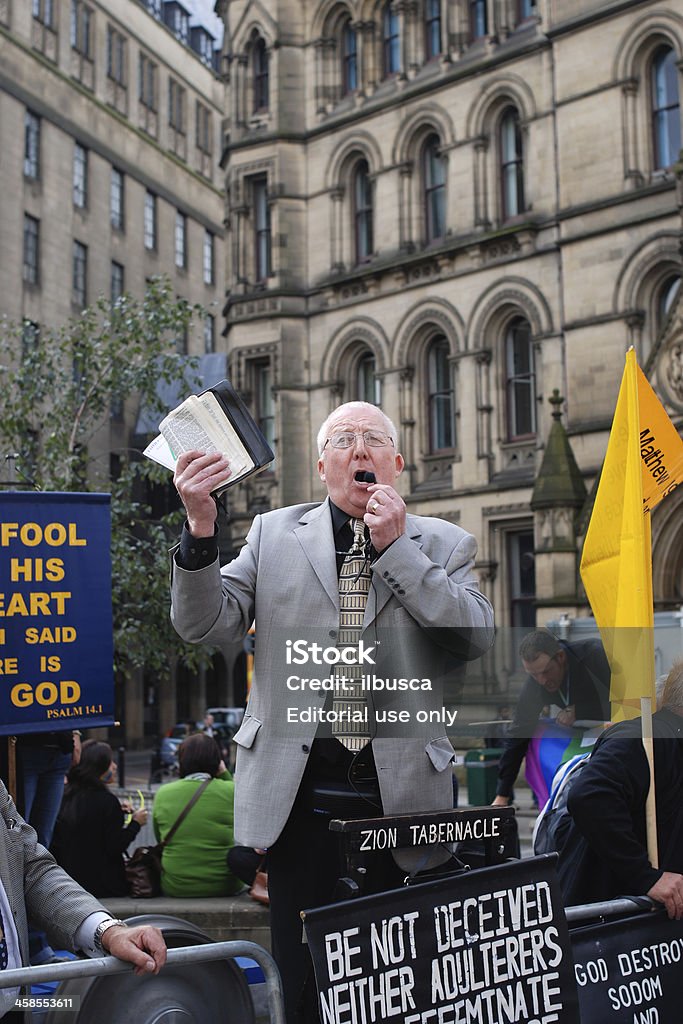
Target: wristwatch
{"x": 102, "y": 927}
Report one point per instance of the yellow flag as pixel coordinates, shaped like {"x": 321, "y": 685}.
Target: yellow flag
{"x": 661, "y": 447}
{"x": 616, "y": 564}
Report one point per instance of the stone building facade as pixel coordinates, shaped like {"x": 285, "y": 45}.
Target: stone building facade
{"x": 110, "y": 125}
{"x": 110, "y": 140}
{"x": 456, "y": 209}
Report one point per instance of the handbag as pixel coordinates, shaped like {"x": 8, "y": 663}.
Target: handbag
{"x": 143, "y": 867}
{"x": 143, "y": 872}
{"x": 259, "y": 887}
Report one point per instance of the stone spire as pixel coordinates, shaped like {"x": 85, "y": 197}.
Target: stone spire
{"x": 559, "y": 482}
{"x": 558, "y": 495}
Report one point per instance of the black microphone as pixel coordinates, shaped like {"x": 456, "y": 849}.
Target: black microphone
{"x": 364, "y": 476}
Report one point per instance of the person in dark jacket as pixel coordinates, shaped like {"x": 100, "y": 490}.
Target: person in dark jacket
{"x": 571, "y": 679}
{"x": 607, "y": 807}
{"x": 90, "y": 837}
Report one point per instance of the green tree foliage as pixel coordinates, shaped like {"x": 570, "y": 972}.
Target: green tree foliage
{"x": 58, "y": 389}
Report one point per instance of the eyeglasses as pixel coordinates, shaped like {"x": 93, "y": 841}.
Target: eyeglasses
{"x": 347, "y": 438}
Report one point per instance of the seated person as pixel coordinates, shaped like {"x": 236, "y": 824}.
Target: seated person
{"x": 90, "y": 837}
{"x": 245, "y": 861}
{"x": 195, "y": 861}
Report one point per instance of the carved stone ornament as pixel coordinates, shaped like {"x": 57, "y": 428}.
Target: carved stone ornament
{"x": 670, "y": 372}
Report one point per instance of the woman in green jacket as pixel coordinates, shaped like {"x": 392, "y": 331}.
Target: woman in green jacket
{"x": 194, "y": 862}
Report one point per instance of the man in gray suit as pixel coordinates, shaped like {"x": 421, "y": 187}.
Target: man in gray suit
{"x": 33, "y": 885}
{"x": 424, "y": 615}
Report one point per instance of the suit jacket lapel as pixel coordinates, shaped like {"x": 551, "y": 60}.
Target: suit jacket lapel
{"x": 380, "y": 591}
{"x": 317, "y": 541}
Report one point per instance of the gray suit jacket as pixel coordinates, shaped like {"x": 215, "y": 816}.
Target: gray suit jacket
{"x": 424, "y": 615}
{"x": 36, "y": 885}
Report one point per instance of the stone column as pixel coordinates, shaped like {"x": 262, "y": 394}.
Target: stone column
{"x": 405, "y": 208}
{"x": 633, "y": 174}
{"x": 481, "y": 211}
{"x": 135, "y": 708}
{"x": 464, "y": 370}
{"x": 407, "y": 421}
{"x": 635, "y": 322}
{"x": 241, "y": 90}
{"x": 198, "y": 696}
{"x": 367, "y": 55}
{"x": 167, "y": 707}
{"x": 407, "y": 14}
{"x": 484, "y": 414}
{"x": 337, "y": 229}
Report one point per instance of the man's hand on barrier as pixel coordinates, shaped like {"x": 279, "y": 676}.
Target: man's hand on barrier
{"x": 669, "y": 890}
{"x": 143, "y": 946}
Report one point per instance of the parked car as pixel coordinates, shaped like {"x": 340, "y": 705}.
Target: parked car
{"x": 170, "y": 743}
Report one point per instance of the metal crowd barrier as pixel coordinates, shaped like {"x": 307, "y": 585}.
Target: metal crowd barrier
{"x": 610, "y": 908}
{"x": 99, "y": 966}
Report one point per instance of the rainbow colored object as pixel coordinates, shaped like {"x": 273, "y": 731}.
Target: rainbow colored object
{"x": 550, "y": 746}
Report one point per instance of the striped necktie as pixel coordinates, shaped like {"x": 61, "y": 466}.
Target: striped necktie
{"x": 354, "y": 585}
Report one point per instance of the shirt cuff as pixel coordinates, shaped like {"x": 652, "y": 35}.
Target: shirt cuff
{"x": 196, "y": 552}
{"x": 85, "y": 936}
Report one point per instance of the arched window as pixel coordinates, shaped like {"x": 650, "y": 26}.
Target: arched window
{"x": 666, "y": 117}
{"x": 520, "y": 380}
{"x": 665, "y": 299}
{"x": 391, "y": 42}
{"x": 434, "y": 178}
{"x": 432, "y": 28}
{"x": 367, "y": 383}
{"x": 260, "y": 75}
{"x": 511, "y": 164}
{"x": 439, "y": 396}
{"x": 362, "y": 212}
{"x": 349, "y": 58}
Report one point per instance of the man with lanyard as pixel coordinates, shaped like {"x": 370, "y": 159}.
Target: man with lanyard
{"x": 571, "y": 680}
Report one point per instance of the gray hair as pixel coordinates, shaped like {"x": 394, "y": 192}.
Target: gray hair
{"x": 538, "y": 641}
{"x": 356, "y": 406}
{"x": 672, "y": 694}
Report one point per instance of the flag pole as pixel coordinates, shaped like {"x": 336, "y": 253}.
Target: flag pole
{"x": 646, "y": 701}
{"x": 651, "y": 802}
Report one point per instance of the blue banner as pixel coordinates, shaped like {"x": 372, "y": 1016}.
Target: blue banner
{"x": 56, "y": 640}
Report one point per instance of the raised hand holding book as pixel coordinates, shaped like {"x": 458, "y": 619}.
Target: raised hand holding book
{"x": 217, "y": 420}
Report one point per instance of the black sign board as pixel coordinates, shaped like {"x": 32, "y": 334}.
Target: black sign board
{"x": 630, "y": 971}
{"x": 489, "y": 945}
{"x": 456, "y": 826}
